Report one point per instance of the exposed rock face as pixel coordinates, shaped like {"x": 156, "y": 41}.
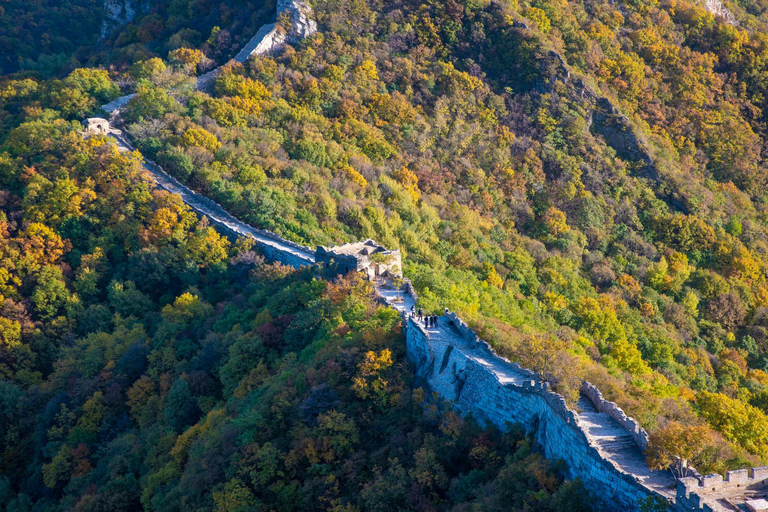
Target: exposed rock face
{"x": 717, "y": 8}
{"x": 302, "y": 24}
{"x": 269, "y": 38}
{"x": 272, "y": 37}
{"x": 118, "y": 12}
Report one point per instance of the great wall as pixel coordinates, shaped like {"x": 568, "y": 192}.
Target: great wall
{"x": 600, "y": 444}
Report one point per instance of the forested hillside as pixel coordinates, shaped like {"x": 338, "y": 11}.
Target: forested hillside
{"x": 52, "y": 37}
{"x": 583, "y": 181}
{"x": 149, "y": 363}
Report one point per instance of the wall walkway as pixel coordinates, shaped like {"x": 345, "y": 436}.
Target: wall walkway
{"x": 452, "y": 361}
{"x": 268, "y": 38}
{"x": 271, "y": 244}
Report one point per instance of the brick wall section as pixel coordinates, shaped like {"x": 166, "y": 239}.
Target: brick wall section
{"x": 692, "y": 492}
{"x": 639, "y": 435}
{"x": 473, "y": 388}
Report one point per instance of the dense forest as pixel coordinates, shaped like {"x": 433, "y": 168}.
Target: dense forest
{"x": 51, "y": 37}
{"x": 149, "y": 363}
{"x": 584, "y": 182}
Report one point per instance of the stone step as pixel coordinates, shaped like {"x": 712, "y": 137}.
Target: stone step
{"x": 586, "y": 405}
{"x": 617, "y": 445}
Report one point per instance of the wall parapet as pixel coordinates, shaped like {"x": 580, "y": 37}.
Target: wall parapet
{"x": 410, "y": 290}
{"x": 639, "y": 435}
{"x": 471, "y": 336}
{"x": 466, "y": 371}
{"x": 693, "y": 491}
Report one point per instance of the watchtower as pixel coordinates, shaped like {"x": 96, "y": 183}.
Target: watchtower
{"x": 96, "y": 126}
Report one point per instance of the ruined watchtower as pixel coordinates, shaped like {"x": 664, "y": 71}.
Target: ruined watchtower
{"x": 367, "y": 257}
{"x": 96, "y": 126}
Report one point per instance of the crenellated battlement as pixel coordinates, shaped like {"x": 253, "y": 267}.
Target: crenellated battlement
{"x": 704, "y": 492}
{"x": 463, "y": 369}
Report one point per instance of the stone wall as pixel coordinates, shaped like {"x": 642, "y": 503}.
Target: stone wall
{"x": 523, "y": 399}
{"x": 693, "y": 492}
{"x": 639, "y": 435}
{"x": 271, "y": 245}
{"x": 410, "y": 290}
{"x": 283, "y": 251}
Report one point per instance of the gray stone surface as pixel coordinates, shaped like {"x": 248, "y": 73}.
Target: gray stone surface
{"x": 268, "y": 38}
{"x": 453, "y": 362}
{"x": 717, "y": 8}
{"x": 114, "y": 106}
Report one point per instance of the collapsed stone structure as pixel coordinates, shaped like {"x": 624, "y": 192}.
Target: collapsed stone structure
{"x": 97, "y": 125}
{"x": 368, "y": 257}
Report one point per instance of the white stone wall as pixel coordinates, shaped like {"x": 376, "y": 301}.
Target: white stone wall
{"x": 472, "y": 388}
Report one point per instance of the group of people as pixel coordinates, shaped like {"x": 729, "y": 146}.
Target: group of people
{"x": 429, "y": 320}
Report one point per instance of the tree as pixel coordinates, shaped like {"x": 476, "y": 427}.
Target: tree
{"x": 51, "y": 295}
{"x": 179, "y": 408}
{"x": 678, "y": 446}
{"x": 736, "y": 420}
{"x": 150, "y": 102}
{"x": 198, "y": 137}
{"x": 728, "y": 309}
{"x": 369, "y": 382}
{"x": 235, "y": 497}
{"x": 94, "y": 82}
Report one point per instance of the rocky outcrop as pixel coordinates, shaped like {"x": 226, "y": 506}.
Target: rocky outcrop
{"x": 268, "y": 39}
{"x": 273, "y": 36}
{"x": 617, "y": 130}
{"x": 717, "y": 8}
{"x": 117, "y": 13}
{"x": 300, "y": 14}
